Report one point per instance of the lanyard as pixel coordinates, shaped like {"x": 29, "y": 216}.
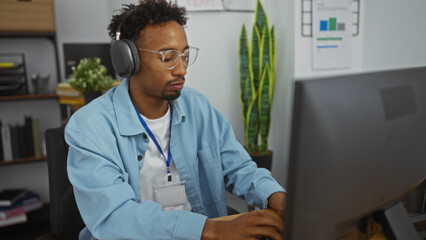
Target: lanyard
{"x": 151, "y": 135}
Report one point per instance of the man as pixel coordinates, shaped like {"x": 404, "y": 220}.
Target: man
{"x": 151, "y": 159}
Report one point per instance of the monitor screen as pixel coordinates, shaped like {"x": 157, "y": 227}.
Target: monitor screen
{"x": 358, "y": 143}
{"x": 74, "y": 52}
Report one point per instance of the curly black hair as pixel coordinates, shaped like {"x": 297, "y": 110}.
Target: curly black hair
{"x": 134, "y": 18}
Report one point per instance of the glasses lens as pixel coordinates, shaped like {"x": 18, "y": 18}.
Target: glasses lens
{"x": 170, "y": 58}
{"x": 190, "y": 56}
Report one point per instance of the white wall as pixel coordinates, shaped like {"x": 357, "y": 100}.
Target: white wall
{"x": 394, "y": 34}
{"x": 215, "y": 73}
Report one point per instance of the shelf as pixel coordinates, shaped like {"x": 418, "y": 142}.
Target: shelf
{"x": 28, "y": 97}
{"x": 23, "y": 160}
{"x": 27, "y": 34}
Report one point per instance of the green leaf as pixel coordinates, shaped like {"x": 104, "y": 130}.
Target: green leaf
{"x": 255, "y": 57}
{"x": 272, "y": 65}
{"x": 252, "y": 129}
{"x": 264, "y": 110}
{"x": 273, "y": 47}
{"x": 266, "y": 48}
{"x": 261, "y": 19}
{"x": 245, "y": 78}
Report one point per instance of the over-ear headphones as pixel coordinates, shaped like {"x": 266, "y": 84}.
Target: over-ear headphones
{"x": 124, "y": 56}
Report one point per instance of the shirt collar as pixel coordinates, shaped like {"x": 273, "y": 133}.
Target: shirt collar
{"x": 127, "y": 120}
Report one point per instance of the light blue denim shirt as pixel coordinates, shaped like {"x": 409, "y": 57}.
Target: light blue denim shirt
{"x": 107, "y": 147}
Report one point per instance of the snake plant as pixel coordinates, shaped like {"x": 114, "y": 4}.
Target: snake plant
{"x": 257, "y": 81}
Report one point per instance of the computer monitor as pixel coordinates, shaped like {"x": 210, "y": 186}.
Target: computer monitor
{"x": 358, "y": 144}
{"x": 74, "y": 52}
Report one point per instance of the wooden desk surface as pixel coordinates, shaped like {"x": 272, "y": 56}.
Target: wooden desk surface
{"x": 353, "y": 235}
{"x": 232, "y": 217}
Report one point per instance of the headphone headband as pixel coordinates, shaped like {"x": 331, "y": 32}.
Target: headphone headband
{"x": 118, "y": 31}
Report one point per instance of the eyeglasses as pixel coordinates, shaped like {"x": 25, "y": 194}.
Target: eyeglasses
{"x": 170, "y": 58}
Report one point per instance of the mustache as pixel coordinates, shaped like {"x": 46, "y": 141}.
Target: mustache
{"x": 178, "y": 79}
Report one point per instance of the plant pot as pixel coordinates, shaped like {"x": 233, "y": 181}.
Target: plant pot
{"x": 263, "y": 161}
{"x": 89, "y": 96}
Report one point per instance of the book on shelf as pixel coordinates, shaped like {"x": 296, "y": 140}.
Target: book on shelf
{"x": 17, "y": 212}
{"x": 64, "y": 89}
{"x": 29, "y": 149}
{"x": 1, "y": 144}
{"x": 69, "y": 95}
{"x": 20, "y": 140}
{"x": 36, "y": 138}
{"x": 28, "y": 203}
{"x": 5, "y": 214}
{"x": 13, "y": 220}
{"x": 14, "y": 141}
{"x": 10, "y": 196}
{"x": 6, "y": 143}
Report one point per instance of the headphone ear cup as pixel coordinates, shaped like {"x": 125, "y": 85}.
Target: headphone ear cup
{"x": 125, "y": 58}
{"x": 135, "y": 54}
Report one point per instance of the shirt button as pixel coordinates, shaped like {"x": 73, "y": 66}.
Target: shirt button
{"x": 139, "y": 157}
{"x": 144, "y": 136}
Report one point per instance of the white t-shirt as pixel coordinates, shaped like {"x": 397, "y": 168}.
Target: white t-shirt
{"x": 154, "y": 171}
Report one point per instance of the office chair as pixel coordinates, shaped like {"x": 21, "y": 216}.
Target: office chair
{"x": 65, "y": 219}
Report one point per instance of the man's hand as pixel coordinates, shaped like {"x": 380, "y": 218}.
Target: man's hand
{"x": 247, "y": 226}
{"x": 277, "y": 202}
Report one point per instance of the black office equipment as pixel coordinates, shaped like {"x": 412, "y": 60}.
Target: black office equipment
{"x": 358, "y": 145}
{"x": 13, "y": 74}
{"x": 65, "y": 218}
{"x": 74, "y": 52}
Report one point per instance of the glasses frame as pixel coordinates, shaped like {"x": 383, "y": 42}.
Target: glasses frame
{"x": 180, "y": 55}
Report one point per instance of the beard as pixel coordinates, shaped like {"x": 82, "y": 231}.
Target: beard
{"x": 170, "y": 97}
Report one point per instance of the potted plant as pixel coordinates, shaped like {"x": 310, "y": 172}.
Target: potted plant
{"x": 257, "y": 81}
{"x": 90, "y": 77}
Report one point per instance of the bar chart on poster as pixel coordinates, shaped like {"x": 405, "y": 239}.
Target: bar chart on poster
{"x": 332, "y": 34}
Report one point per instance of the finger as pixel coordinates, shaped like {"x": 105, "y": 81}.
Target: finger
{"x": 269, "y": 232}
{"x": 267, "y": 219}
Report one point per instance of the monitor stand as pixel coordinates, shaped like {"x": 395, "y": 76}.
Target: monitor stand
{"x": 396, "y": 224}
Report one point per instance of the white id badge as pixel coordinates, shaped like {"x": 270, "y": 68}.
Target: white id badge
{"x": 171, "y": 194}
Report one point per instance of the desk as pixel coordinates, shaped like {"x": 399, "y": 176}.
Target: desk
{"x": 353, "y": 235}
{"x": 232, "y": 217}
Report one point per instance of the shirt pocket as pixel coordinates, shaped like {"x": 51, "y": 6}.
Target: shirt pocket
{"x": 209, "y": 175}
